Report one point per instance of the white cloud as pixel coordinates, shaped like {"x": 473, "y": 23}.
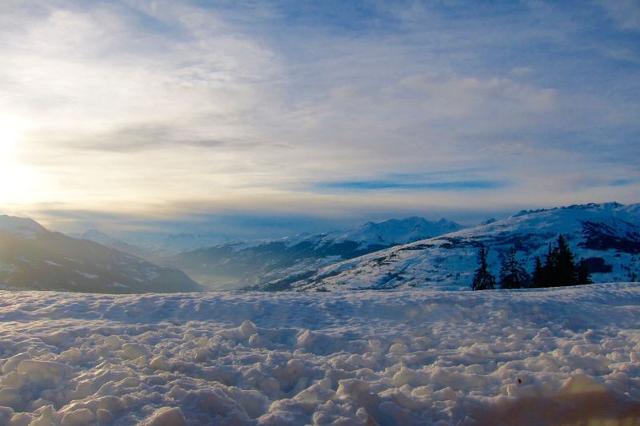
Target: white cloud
{"x": 163, "y": 103}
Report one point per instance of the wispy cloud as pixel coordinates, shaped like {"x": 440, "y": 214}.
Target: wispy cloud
{"x": 371, "y": 185}
{"x": 261, "y": 105}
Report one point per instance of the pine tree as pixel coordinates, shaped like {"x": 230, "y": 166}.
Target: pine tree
{"x": 550, "y": 268}
{"x": 584, "y": 277}
{"x": 565, "y": 272}
{"x": 633, "y": 271}
{"x": 539, "y": 275}
{"x": 482, "y": 279}
{"x": 512, "y": 273}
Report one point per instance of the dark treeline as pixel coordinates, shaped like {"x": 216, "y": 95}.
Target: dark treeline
{"x": 558, "y": 269}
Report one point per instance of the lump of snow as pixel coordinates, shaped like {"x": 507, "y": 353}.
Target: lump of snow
{"x": 113, "y": 342}
{"x": 247, "y": 328}
{"x": 581, "y": 384}
{"x": 80, "y": 417}
{"x": 166, "y": 416}
{"x": 398, "y": 349}
{"x": 256, "y": 341}
{"x": 43, "y": 372}
{"x": 46, "y": 418}
{"x": 160, "y": 363}
{"x": 305, "y": 339}
{"x": 5, "y": 415}
{"x": 71, "y": 355}
{"x": 10, "y": 397}
{"x": 12, "y": 363}
{"x": 104, "y": 416}
{"x": 315, "y": 394}
{"x": 134, "y": 350}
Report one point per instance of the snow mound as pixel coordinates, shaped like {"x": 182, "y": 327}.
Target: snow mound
{"x": 531, "y": 357}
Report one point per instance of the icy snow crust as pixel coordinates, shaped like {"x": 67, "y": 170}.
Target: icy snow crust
{"x": 405, "y": 357}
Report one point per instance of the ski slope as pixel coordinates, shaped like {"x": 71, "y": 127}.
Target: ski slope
{"x": 529, "y": 357}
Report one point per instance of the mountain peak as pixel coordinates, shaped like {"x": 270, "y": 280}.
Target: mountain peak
{"x": 397, "y": 231}
{"x": 22, "y": 226}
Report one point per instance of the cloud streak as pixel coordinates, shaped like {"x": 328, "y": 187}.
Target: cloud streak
{"x": 244, "y": 106}
{"x": 373, "y": 185}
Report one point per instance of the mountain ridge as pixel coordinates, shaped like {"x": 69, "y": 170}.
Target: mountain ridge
{"x": 606, "y": 234}
{"x": 34, "y": 258}
{"x": 243, "y": 264}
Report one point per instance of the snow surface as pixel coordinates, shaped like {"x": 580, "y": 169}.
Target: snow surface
{"x": 529, "y": 357}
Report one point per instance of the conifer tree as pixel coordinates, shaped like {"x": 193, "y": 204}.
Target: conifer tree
{"x": 583, "y": 275}
{"x": 550, "y": 267}
{"x": 634, "y": 276}
{"x": 482, "y": 279}
{"x": 539, "y": 275}
{"x": 512, "y": 273}
{"x": 565, "y": 272}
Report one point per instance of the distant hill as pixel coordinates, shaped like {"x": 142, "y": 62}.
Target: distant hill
{"x": 241, "y": 264}
{"x": 606, "y": 235}
{"x": 33, "y": 258}
{"x": 106, "y": 240}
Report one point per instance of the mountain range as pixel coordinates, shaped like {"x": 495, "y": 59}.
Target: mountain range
{"x": 397, "y": 253}
{"x": 248, "y": 264}
{"x": 34, "y": 258}
{"x": 606, "y": 236}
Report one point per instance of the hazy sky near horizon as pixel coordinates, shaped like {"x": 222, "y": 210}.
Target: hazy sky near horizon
{"x": 169, "y": 110}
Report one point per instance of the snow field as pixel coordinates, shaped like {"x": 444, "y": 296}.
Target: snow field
{"x": 554, "y": 356}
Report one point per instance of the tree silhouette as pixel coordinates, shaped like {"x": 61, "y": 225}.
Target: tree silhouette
{"x": 584, "y": 277}
{"x": 539, "y": 275}
{"x": 565, "y": 272}
{"x": 560, "y": 268}
{"x": 512, "y": 273}
{"x": 482, "y": 279}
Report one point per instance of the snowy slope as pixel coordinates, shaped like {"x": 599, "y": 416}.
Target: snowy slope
{"x": 235, "y": 265}
{"x": 34, "y": 258}
{"x": 607, "y": 235}
{"x": 545, "y": 357}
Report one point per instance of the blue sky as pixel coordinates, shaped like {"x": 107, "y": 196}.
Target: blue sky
{"x": 326, "y": 112}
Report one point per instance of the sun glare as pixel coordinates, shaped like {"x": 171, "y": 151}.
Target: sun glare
{"x": 9, "y": 136}
{"x": 16, "y": 179}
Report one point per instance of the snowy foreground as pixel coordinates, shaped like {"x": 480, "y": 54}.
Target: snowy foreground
{"x": 555, "y": 356}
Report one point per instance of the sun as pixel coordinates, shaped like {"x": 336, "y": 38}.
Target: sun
{"x": 9, "y": 138}
{"x": 17, "y": 181}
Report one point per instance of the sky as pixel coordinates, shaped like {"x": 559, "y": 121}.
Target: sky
{"x": 266, "y": 117}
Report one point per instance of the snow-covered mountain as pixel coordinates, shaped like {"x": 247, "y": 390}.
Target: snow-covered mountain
{"x": 392, "y": 232}
{"x": 20, "y": 226}
{"x": 108, "y": 241}
{"x": 31, "y": 257}
{"x": 241, "y": 264}
{"x": 607, "y": 236}
{"x": 158, "y": 245}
